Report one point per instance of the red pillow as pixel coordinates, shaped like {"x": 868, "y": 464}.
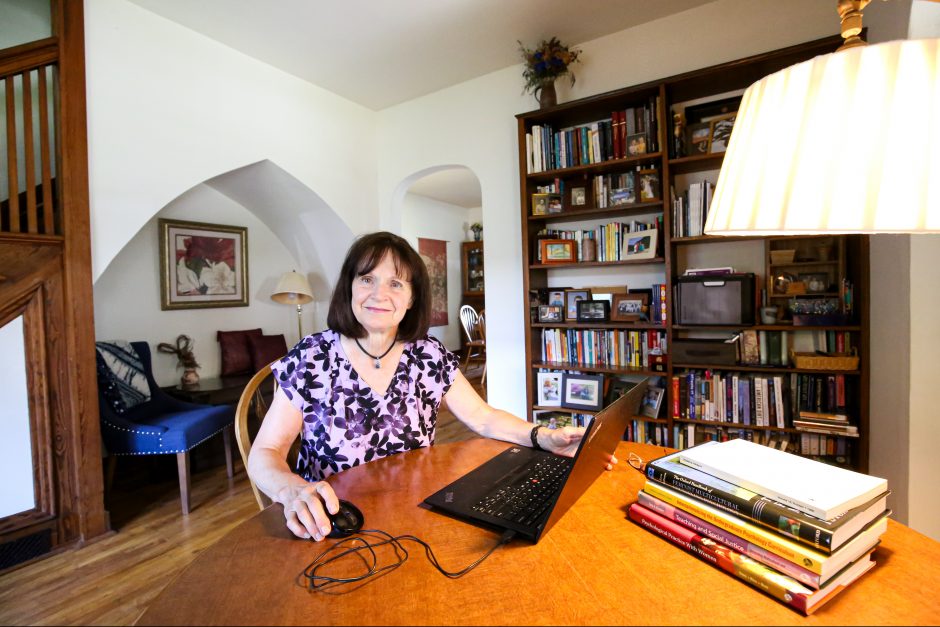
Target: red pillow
{"x": 235, "y": 356}
{"x": 265, "y": 348}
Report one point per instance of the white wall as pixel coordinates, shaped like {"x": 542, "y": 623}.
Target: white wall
{"x": 429, "y": 218}
{"x": 16, "y": 451}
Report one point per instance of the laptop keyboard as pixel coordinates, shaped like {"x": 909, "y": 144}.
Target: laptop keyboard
{"x": 526, "y": 500}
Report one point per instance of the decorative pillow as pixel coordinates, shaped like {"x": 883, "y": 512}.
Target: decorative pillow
{"x": 235, "y": 356}
{"x": 121, "y": 375}
{"x": 265, "y": 348}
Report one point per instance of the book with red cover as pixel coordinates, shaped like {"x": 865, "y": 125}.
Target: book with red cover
{"x": 779, "y": 586}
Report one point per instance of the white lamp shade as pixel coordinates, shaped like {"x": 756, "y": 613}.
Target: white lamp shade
{"x": 848, "y": 142}
{"x": 292, "y": 289}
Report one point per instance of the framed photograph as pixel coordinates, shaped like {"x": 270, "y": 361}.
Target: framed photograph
{"x": 626, "y": 193}
{"x": 549, "y": 388}
{"x": 551, "y": 313}
{"x": 649, "y": 185}
{"x": 721, "y": 133}
{"x": 556, "y": 298}
{"x": 636, "y": 144}
{"x": 616, "y": 389}
{"x": 572, "y": 298}
{"x": 593, "y": 310}
{"x": 202, "y": 265}
{"x": 708, "y": 111}
{"x": 652, "y": 401}
{"x": 583, "y": 391}
{"x": 553, "y": 419}
{"x": 697, "y": 137}
{"x": 815, "y": 282}
{"x": 640, "y": 245}
{"x": 630, "y": 308}
{"x": 578, "y": 196}
{"x": 558, "y": 250}
{"x": 542, "y": 204}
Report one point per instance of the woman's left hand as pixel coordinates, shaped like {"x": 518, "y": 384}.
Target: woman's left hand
{"x": 565, "y": 442}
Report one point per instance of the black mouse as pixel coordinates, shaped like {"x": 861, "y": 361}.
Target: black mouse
{"x": 346, "y": 521}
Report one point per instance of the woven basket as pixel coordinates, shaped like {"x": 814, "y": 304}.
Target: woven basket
{"x": 835, "y": 361}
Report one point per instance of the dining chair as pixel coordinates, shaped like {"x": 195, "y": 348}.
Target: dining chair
{"x": 475, "y": 332}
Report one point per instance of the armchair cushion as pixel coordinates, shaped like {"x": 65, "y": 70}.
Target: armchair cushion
{"x": 265, "y": 348}
{"x": 234, "y": 346}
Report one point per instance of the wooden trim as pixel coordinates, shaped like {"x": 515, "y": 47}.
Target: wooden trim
{"x": 28, "y": 56}
{"x": 48, "y": 206}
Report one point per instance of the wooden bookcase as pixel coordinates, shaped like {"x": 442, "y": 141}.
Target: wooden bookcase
{"x": 824, "y": 261}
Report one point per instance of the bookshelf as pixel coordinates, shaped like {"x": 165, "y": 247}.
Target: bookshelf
{"x": 574, "y": 156}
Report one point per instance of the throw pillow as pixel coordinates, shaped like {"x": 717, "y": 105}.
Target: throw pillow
{"x": 234, "y": 346}
{"x": 266, "y": 348}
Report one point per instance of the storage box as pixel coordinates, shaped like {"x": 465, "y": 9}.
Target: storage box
{"x": 704, "y": 352}
{"x": 717, "y": 299}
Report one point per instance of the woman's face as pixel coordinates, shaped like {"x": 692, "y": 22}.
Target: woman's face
{"x": 380, "y": 297}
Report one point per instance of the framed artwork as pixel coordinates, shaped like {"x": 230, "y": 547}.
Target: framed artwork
{"x": 583, "y": 391}
{"x": 551, "y": 313}
{"x": 641, "y": 244}
{"x": 549, "y": 388}
{"x": 697, "y": 137}
{"x": 578, "y": 196}
{"x": 652, "y": 401}
{"x": 558, "y": 250}
{"x": 572, "y": 298}
{"x": 593, "y": 310}
{"x": 721, "y": 133}
{"x": 434, "y": 254}
{"x": 649, "y": 185}
{"x": 629, "y": 308}
{"x": 202, "y": 265}
{"x": 542, "y": 202}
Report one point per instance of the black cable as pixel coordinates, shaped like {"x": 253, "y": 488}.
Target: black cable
{"x": 361, "y": 547}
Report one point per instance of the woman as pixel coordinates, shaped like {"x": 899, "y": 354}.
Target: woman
{"x": 370, "y": 386}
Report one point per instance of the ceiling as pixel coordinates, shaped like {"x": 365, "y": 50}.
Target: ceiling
{"x": 379, "y": 53}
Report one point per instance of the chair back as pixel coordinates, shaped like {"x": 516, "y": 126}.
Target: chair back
{"x": 253, "y": 404}
{"x": 481, "y": 326}
{"x": 468, "y": 319}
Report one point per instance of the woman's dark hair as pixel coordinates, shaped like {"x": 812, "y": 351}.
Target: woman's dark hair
{"x": 364, "y": 255}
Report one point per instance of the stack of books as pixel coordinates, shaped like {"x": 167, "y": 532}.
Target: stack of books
{"x": 796, "y": 529}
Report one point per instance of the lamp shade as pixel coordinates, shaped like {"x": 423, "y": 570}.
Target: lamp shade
{"x": 292, "y": 289}
{"x": 847, "y": 142}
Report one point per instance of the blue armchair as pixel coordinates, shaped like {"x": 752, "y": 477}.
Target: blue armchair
{"x": 161, "y": 426}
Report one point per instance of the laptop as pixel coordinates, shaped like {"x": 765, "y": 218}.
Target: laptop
{"x": 499, "y": 492}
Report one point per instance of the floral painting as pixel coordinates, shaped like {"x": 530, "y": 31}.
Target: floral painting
{"x": 202, "y": 265}
{"x": 434, "y": 254}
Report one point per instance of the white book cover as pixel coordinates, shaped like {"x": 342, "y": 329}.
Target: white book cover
{"x": 818, "y": 489}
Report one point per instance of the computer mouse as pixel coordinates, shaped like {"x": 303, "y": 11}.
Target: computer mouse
{"x": 346, "y": 521}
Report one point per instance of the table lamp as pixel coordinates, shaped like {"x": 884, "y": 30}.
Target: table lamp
{"x": 847, "y": 142}
{"x": 293, "y": 289}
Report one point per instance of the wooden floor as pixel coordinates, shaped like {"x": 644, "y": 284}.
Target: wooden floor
{"x": 111, "y": 581}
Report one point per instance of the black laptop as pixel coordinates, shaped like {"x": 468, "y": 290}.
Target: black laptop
{"x": 528, "y": 491}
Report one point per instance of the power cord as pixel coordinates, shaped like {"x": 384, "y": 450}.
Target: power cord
{"x": 363, "y": 546}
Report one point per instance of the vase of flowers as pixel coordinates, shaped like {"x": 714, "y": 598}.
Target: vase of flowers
{"x": 187, "y": 361}
{"x": 477, "y": 229}
{"x": 545, "y": 63}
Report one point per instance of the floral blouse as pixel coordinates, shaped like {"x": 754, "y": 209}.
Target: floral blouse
{"x": 345, "y": 422}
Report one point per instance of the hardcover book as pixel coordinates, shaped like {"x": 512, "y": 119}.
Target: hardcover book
{"x": 816, "y": 488}
{"x": 767, "y": 580}
{"x": 823, "y": 535}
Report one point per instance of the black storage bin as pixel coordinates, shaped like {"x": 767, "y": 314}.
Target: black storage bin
{"x": 715, "y": 299}
{"x": 711, "y": 352}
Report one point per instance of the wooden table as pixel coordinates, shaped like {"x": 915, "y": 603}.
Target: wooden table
{"x": 211, "y": 391}
{"x": 593, "y": 567}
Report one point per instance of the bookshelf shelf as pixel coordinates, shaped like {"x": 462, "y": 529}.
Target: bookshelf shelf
{"x": 555, "y": 132}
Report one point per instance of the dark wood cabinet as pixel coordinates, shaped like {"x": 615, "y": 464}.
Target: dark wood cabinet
{"x": 472, "y": 269}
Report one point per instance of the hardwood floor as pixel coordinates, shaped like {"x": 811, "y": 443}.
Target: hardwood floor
{"x": 111, "y": 581}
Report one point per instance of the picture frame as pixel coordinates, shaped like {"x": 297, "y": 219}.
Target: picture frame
{"x": 652, "y": 402}
{"x": 578, "y": 196}
{"x": 583, "y": 391}
{"x": 648, "y": 185}
{"x": 720, "y": 133}
{"x": 626, "y": 194}
{"x": 556, "y": 297}
{"x": 616, "y": 389}
{"x": 630, "y": 308}
{"x": 553, "y": 419}
{"x": 572, "y": 296}
{"x": 592, "y": 311}
{"x": 542, "y": 204}
{"x": 549, "y": 387}
{"x": 708, "y": 111}
{"x": 558, "y": 251}
{"x": 698, "y": 136}
{"x": 551, "y": 313}
{"x": 636, "y": 144}
{"x": 202, "y": 265}
{"x": 641, "y": 244}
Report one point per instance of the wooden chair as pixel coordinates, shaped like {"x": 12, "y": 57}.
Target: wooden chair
{"x": 475, "y": 330}
{"x": 252, "y": 407}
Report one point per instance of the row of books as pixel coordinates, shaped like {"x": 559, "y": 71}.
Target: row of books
{"x": 816, "y": 402}
{"x": 690, "y": 209}
{"x": 603, "y": 347}
{"x": 798, "y": 530}
{"x": 646, "y": 432}
{"x": 609, "y": 238}
{"x": 629, "y": 132}
{"x": 831, "y": 449}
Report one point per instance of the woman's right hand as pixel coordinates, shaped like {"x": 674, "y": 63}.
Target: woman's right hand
{"x": 305, "y": 509}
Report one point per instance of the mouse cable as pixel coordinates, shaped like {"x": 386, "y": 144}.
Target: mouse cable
{"x": 363, "y": 547}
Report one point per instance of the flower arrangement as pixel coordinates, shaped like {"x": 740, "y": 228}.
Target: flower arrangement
{"x": 546, "y": 62}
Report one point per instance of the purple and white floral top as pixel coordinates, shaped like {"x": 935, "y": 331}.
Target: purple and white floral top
{"x": 345, "y": 422}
